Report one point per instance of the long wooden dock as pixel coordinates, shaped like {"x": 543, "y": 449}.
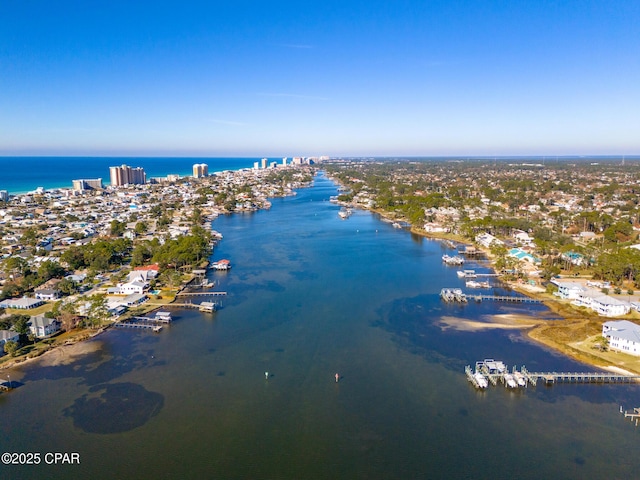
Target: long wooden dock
{"x": 495, "y": 371}
{"x": 503, "y": 298}
{"x": 200, "y": 294}
{"x": 583, "y": 377}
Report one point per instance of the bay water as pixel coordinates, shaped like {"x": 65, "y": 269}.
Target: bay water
{"x": 249, "y": 392}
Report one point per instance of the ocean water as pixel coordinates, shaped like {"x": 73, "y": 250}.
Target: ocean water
{"x": 24, "y": 174}
{"x": 309, "y": 296}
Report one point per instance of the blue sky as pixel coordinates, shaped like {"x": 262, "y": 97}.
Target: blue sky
{"x": 286, "y": 78}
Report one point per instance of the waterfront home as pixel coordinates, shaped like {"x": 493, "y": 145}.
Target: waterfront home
{"x": 607, "y": 306}
{"x": 41, "y": 326}
{"x": 486, "y": 240}
{"x": 602, "y": 304}
{"x": 135, "y": 287}
{"x": 432, "y": 227}
{"x": 568, "y": 290}
{"x": 623, "y": 336}
{"x": 134, "y": 299}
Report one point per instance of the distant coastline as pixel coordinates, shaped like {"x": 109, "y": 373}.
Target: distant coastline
{"x": 20, "y": 175}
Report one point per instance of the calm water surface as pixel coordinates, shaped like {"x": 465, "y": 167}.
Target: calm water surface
{"x": 311, "y": 295}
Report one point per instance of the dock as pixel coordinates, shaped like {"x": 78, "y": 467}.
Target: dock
{"x": 139, "y": 326}
{"x": 635, "y": 415}
{"x": 208, "y": 307}
{"x": 504, "y": 298}
{"x": 497, "y": 372}
{"x": 6, "y": 386}
{"x": 453, "y": 295}
{"x": 200, "y": 294}
{"x": 154, "y": 324}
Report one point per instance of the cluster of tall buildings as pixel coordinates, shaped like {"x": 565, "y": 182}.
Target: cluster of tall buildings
{"x": 200, "y": 170}
{"x": 125, "y": 175}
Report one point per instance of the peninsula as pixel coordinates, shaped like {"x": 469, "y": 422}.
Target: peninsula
{"x": 77, "y": 260}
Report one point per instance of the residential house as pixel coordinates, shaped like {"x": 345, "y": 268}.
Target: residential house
{"x": 602, "y": 304}
{"x": 24, "y": 303}
{"x": 623, "y": 336}
{"x": 42, "y": 326}
{"x": 47, "y": 294}
{"x": 607, "y": 306}
{"x": 6, "y": 336}
{"x": 486, "y": 240}
{"x": 568, "y": 290}
{"x": 523, "y": 256}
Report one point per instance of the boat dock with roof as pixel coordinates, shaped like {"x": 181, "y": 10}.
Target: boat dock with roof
{"x": 495, "y": 371}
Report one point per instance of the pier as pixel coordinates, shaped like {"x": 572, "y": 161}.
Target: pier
{"x": 635, "y": 415}
{"x": 146, "y": 323}
{"x": 504, "y": 298}
{"x": 201, "y": 294}
{"x": 495, "y": 371}
{"x": 140, "y": 326}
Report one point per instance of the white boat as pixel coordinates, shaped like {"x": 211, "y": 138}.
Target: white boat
{"x": 520, "y": 379}
{"x": 452, "y": 260}
{"x": 510, "y": 381}
{"x": 481, "y": 380}
{"x": 475, "y": 284}
{"x": 346, "y": 213}
{"x": 466, "y": 273}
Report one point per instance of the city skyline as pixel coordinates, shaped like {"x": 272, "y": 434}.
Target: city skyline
{"x": 275, "y": 79}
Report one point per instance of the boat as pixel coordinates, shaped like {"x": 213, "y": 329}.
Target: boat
{"x": 521, "y": 380}
{"x": 466, "y": 273}
{"x": 453, "y": 295}
{"x": 221, "y": 265}
{"x": 481, "y": 380}
{"x": 452, "y": 260}
{"x": 476, "y": 284}
{"x": 510, "y": 381}
{"x": 396, "y": 225}
{"x": 345, "y": 213}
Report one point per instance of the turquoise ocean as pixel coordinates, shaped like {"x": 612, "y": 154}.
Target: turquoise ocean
{"x": 25, "y": 174}
{"x": 309, "y": 296}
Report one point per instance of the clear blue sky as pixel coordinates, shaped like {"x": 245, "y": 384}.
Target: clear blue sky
{"x": 285, "y": 78}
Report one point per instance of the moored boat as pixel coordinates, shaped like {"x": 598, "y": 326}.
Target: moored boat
{"x": 481, "y": 380}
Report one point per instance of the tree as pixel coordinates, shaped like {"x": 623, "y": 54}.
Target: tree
{"x": 29, "y": 237}
{"x": 16, "y": 266}
{"x": 98, "y": 312}
{"x": 11, "y": 347}
{"x": 50, "y": 269}
{"x": 117, "y": 228}
{"x": 21, "y": 324}
{"x": 141, "y": 227}
{"x": 67, "y": 286}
